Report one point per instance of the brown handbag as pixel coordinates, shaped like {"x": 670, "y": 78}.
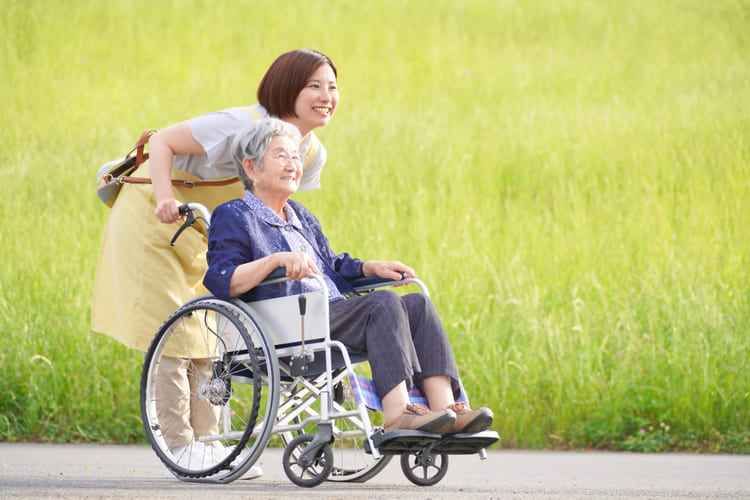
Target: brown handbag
{"x": 110, "y": 177}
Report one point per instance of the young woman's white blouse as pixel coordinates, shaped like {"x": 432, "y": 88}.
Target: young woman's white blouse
{"x": 215, "y": 132}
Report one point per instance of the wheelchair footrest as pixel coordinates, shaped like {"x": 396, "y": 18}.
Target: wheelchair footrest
{"x": 465, "y": 444}
{"x": 397, "y": 442}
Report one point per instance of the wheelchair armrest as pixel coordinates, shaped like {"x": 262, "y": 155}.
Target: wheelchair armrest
{"x": 367, "y": 285}
{"x": 373, "y": 282}
{"x": 360, "y": 285}
{"x": 277, "y": 274}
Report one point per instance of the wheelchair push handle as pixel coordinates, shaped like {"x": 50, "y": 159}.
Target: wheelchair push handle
{"x": 188, "y": 210}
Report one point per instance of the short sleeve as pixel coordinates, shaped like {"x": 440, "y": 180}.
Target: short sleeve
{"x": 311, "y": 176}
{"x": 215, "y": 132}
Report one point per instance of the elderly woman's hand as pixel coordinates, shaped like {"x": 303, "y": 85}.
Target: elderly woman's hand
{"x": 298, "y": 265}
{"x": 389, "y": 270}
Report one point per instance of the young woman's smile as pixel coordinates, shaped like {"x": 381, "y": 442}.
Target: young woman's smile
{"x": 317, "y": 102}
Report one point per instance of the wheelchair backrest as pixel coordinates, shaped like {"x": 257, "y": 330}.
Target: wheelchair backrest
{"x": 280, "y": 319}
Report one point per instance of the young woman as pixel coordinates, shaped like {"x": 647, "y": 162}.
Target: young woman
{"x": 140, "y": 278}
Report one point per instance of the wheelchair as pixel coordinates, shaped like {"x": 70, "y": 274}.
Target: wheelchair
{"x": 268, "y": 371}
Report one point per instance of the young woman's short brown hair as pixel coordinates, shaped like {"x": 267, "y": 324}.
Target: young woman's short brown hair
{"x": 286, "y": 77}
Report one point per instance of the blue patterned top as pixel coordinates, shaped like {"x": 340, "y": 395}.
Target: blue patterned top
{"x": 294, "y": 239}
{"x": 244, "y": 230}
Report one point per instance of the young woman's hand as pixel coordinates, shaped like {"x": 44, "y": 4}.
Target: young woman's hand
{"x": 168, "y": 210}
{"x": 174, "y": 140}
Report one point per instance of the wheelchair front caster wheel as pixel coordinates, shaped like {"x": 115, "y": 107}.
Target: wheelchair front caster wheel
{"x": 424, "y": 469}
{"x": 307, "y": 470}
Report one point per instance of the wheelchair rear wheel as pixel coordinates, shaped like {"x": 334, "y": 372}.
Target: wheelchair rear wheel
{"x": 209, "y": 391}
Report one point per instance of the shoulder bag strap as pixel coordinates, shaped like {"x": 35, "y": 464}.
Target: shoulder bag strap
{"x": 140, "y": 145}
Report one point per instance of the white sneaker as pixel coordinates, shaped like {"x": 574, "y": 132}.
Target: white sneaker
{"x": 220, "y": 452}
{"x": 253, "y": 472}
{"x": 191, "y": 456}
{"x": 198, "y": 455}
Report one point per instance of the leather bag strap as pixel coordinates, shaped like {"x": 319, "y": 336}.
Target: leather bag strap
{"x": 181, "y": 183}
{"x": 142, "y": 156}
{"x": 140, "y": 145}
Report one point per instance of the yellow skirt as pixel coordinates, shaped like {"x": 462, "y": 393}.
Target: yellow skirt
{"x": 140, "y": 278}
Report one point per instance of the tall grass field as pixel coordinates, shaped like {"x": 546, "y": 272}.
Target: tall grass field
{"x": 571, "y": 178}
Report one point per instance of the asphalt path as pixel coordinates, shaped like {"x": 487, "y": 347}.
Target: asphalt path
{"x": 134, "y": 472}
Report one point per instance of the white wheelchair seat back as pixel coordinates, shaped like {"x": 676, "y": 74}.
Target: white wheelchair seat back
{"x": 280, "y": 319}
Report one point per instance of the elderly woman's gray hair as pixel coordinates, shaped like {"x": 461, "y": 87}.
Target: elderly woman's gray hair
{"x": 252, "y": 142}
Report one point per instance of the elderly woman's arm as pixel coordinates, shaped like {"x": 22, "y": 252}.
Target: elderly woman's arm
{"x": 235, "y": 264}
{"x": 250, "y": 274}
{"x": 348, "y": 267}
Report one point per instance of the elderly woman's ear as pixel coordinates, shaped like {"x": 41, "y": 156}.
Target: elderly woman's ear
{"x": 248, "y": 166}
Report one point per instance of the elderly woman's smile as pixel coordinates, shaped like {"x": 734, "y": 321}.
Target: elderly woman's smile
{"x": 281, "y": 162}
{"x": 280, "y": 174}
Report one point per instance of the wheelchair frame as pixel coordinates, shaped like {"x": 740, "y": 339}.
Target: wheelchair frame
{"x": 249, "y": 382}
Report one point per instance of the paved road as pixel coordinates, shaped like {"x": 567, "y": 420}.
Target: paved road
{"x": 117, "y": 472}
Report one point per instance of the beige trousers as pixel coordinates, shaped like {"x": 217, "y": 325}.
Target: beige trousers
{"x": 183, "y": 415}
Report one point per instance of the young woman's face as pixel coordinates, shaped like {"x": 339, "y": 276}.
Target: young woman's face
{"x": 317, "y": 102}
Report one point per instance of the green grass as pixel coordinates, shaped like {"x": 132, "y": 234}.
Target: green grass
{"x": 571, "y": 178}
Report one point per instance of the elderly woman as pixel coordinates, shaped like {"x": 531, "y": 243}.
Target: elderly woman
{"x": 402, "y": 335}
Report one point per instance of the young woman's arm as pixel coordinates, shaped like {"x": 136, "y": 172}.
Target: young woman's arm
{"x": 162, "y": 148}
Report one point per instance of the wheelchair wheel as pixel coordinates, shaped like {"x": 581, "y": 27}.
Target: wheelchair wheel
{"x": 423, "y": 468}
{"x": 307, "y": 471}
{"x": 351, "y": 461}
{"x": 215, "y": 424}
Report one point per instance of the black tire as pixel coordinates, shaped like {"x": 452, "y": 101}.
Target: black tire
{"x": 424, "y": 469}
{"x": 307, "y": 474}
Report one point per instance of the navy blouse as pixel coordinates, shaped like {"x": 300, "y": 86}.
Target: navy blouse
{"x": 246, "y": 230}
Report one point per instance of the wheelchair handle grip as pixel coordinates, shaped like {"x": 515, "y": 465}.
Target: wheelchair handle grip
{"x": 188, "y": 210}
{"x": 189, "y": 221}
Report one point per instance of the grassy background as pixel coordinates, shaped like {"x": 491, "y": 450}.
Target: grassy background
{"x": 571, "y": 178}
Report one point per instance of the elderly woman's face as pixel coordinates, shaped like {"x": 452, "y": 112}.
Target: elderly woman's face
{"x": 282, "y": 168}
